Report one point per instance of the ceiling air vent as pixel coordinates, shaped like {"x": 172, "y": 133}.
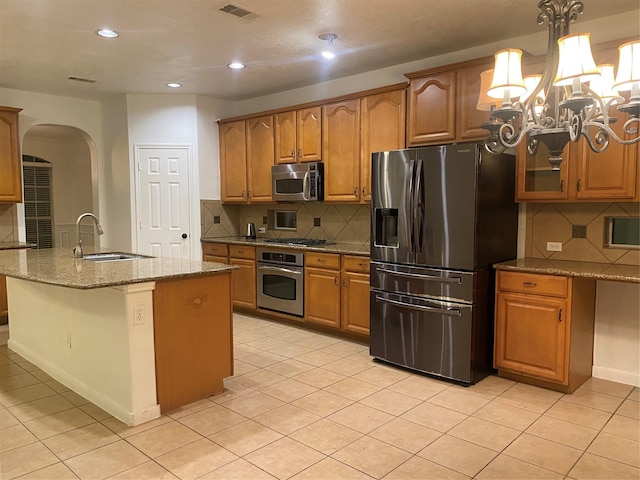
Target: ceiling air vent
{"x": 80, "y": 79}
{"x": 238, "y": 12}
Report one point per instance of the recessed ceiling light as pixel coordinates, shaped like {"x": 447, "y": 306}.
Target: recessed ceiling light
{"x": 106, "y": 33}
{"x": 174, "y": 85}
{"x": 236, "y": 65}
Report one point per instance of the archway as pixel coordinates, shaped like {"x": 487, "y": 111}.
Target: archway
{"x": 71, "y": 156}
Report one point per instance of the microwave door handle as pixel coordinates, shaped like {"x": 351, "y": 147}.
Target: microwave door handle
{"x": 433, "y": 278}
{"x": 305, "y": 186}
{"x": 421, "y": 308}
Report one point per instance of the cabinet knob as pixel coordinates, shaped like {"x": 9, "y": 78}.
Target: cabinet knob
{"x": 344, "y": 282}
{"x": 355, "y": 191}
{"x": 243, "y": 194}
{"x": 336, "y": 281}
{"x": 579, "y": 185}
{"x": 293, "y": 154}
{"x": 197, "y": 301}
{"x": 364, "y": 192}
{"x": 299, "y": 153}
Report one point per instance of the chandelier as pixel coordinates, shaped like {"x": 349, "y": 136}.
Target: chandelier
{"x": 570, "y": 100}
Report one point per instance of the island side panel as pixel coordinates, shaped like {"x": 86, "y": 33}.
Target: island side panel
{"x": 193, "y": 338}
{"x": 89, "y": 341}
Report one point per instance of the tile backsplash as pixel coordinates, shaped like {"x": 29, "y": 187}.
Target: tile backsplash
{"x": 334, "y": 222}
{"x": 580, "y": 227}
{"x": 8, "y": 222}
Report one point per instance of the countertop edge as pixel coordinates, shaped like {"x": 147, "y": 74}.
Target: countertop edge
{"x": 597, "y": 271}
{"x": 344, "y": 248}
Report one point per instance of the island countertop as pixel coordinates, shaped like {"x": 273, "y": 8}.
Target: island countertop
{"x": 57, "y": 266}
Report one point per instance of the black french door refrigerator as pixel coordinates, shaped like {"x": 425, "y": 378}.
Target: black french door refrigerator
{"x": 440, "y": 217}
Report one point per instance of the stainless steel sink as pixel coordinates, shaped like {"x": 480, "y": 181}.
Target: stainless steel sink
{"x": 113, "y": 257}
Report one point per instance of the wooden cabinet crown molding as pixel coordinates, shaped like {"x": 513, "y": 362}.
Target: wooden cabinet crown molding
{"x": 318, "y": 103}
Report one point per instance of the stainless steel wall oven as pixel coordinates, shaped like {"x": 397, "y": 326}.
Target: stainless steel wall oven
{"x": 280, "y": 281}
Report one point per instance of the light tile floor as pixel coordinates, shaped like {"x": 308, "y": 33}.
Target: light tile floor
{"x": 308, "y": 406}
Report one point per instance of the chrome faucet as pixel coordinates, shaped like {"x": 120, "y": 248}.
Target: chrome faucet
{"x": 77, "y": 251}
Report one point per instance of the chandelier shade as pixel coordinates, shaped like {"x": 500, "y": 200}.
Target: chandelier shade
{"x": 507, "y": 75}
{"x": 576, "y": 60}
{"x": 485, "y": 102}
{"x": 628, "y": 67}
{"x": 603, "y": 85}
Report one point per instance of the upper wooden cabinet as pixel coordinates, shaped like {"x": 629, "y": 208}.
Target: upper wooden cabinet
{"x": 341, "y": 151}
{"x": 298, "y": 135}
{"x": 383, "y": 128}
{"x": 233, "y": 162}
{"x": 260, "y": 158}
{"x": 353, "y": 130}
{"x": 10, "y": 161}
{"x": 246, "y": 157}
{"x": 442, "y": 104}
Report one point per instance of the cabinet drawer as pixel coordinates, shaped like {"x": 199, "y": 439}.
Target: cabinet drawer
{"x": 215, "y": 249}
{"x": 353, "y": 263}
{"x": 551, "y": 285}
{"x": 238, "y": 251}
{"x": 325, "y": 260}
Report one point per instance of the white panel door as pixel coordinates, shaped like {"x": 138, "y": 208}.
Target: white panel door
{"x": 163, "y": 206}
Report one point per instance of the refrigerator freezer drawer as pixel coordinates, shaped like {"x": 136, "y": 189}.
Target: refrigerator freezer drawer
{"x": 424, "y": 335}
{"x": 448, "y": 285}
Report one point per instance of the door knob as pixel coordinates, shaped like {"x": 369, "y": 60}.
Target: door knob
{"x": 184, "y": 235}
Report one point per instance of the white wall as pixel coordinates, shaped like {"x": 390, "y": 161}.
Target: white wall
{"x": 115, "y": 185}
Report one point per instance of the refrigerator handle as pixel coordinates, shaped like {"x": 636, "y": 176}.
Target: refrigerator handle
{"x": 411, "y": 217}
{"x": 444, "y": 311}
{"x": 434, "y": 278}
{"x": 417, "y": 212}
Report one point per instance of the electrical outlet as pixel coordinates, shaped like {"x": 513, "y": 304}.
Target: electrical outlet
{"x": 138, "y": 315}
{"x": 262, "y": 230}
{"x": 554, "y": 246}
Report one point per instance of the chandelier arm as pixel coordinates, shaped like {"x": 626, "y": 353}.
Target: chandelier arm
{"x": 628, "y": 128}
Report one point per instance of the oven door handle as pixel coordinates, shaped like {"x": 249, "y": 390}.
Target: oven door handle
{"x": 445, "y": 311}
{"x": 278, "y": 270}
{"x": 433, "y": 278}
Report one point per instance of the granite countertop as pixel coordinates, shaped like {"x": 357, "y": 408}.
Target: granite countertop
{"x": 57, "y": 266}
{"x": 599, "y": 271}
{"x": 327, "y": 248}
{"x": 14, "y": 245}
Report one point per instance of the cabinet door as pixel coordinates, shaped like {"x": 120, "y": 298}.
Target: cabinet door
{"x": 341, "y": 151}
{"x": 383, "y": 128}
{"x": 534, "y": 177}
{"x": 355, "y": 303}
{"x": 610, "y": 175}
{"x": 244, "y": 283}
{"x": 233, "y": 162}
{"x": 260, "y": 158}
{"x": 531, "y": 336}
{"x": 10, "y": 161}
{"x": 469, "y": 118}
{"x": 322, "y": 296}
{"x": 432, "y": 109}
{"x": 285, "y": 132}
{"x": 309, "y": 133}
{"x": 3, "y": 296}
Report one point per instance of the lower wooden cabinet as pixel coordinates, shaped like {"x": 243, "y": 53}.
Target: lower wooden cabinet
{"x": 544, "y": 329}
{"x": 3, "y": 296}
{"x": 193, "y": 338}
{"x": 355, "y": 294}
{"x": 244, "y": 278}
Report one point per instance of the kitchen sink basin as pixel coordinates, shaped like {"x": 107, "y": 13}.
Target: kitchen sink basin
{"x": 113, "y": 257}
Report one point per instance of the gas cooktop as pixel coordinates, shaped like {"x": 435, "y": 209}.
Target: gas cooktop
{"x": 299, "y": 241}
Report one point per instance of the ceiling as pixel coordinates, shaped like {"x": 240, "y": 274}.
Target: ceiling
{"x": 43, "y": 42}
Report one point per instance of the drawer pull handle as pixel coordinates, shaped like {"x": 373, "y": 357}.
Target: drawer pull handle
{"x": 320, "y": 260}
{"x": 529, "y": 284}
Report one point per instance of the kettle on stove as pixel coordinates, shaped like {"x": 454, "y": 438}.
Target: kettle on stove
{"x": 251, "y": 230}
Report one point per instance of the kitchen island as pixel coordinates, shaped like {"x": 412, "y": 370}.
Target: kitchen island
{"x": 135, "y": 337}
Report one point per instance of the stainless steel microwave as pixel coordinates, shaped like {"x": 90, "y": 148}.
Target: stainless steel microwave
{"x": 298, "y": 182}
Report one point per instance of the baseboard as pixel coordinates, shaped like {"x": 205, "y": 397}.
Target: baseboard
{"x": 620, "y": 376}
{"x": 78, "y": 386}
